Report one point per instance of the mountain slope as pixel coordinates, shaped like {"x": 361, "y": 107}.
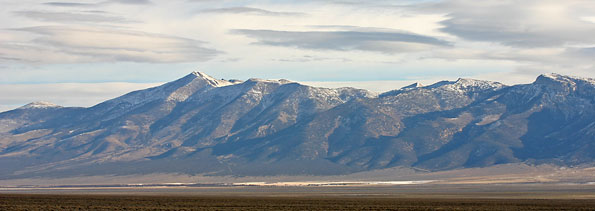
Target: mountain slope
{"x": 202, "y": 125}
{"x": 550, "y": 120}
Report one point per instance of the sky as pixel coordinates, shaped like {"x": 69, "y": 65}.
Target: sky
{"x": 79, "y": 53}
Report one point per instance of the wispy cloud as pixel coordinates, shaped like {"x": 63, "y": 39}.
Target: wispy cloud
{"x": 70, "y": 17}
{"x": 519, "y": 23}
{"x": 309, "y": 58}
{"x": 249, "y": 10}
{"x": 69, "y": 4}
{"x": 55, "y": 44}
{"x": 139, "y": 2}
{"x": 376, "y": 41}
{"x": 581, "y": 53}
{"x": 77, "y": 4}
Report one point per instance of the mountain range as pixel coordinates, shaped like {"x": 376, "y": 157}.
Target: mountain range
{"x": 202, "y": 125}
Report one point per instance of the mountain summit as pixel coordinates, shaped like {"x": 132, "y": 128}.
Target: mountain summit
{"x": 209, "y": 80}
{"x": 39, "y": 104}
{"x": 202, "y": 125}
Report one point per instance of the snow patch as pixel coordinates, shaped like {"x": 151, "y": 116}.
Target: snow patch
{"x": 280, "y": 81}
{"x": 564, "y": 79}
{"x": 212, "y": 81}
{"x": 39, "y": 105}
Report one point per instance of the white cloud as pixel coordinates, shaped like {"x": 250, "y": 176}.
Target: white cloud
{"x": 98, "y": 4}
{"x": 249, "y": 10}
{"x": 72, "y": 17}
{"x": 589, "y": 19}
{"x": 57, "y": 44}
{"x": 520, "y": 23}
{"x": 376, "y": 41}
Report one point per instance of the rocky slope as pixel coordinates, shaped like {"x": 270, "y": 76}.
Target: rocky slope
{"x": 202, "y": 125}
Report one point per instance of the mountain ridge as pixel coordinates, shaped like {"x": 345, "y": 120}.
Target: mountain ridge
{"x": 204, "y": 125}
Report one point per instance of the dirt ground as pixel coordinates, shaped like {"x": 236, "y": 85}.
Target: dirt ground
{"x": 144, "y": 202}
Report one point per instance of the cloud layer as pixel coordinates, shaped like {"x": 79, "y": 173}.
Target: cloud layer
{"x": 249, "y": 10}
{"x": 527, "y": 23}
{"x": 71, "y": 17}
{"x": 342, "y": 41}
{"x": 55, "y": 44}
{"x": 384, "y": 42}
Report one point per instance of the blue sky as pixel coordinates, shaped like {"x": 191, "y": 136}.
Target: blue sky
{"x": 78, "y": 53}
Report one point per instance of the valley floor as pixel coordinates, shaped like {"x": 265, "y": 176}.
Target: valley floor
{"x": 505, "y": 187}
{"x": 472, "y": 197}
{"x": 392, "y": 197}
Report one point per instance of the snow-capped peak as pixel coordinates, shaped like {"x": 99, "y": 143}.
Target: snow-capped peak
{"x": 465, "y": 84}
{"x": 212, "y": 81}
{"x": 39, "y": 104}
{"x": 554, "y": 76}
{"x": 468, "y": 83}
{"x": 279, "y": 81}
{"x": 562, "y": 78}
{"x": 563, "y": 83}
